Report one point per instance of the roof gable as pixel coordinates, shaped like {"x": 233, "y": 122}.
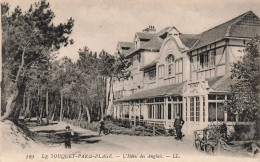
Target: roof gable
{"x": 243, "y": 26}
{"x": 126, "y": 47}
{"x": 144, "y": 35}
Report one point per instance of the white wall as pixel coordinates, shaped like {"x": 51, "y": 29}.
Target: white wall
{"x": 148, "y": 57}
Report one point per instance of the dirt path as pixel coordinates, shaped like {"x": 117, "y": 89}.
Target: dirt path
{"x": 89, "y": 141}
{"x": 87, "y": 145}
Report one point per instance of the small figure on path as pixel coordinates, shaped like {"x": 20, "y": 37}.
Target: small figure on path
{"x": 102, "y": 127}
{"x": 178, "y": 123}
{"x": 68, "y": 135}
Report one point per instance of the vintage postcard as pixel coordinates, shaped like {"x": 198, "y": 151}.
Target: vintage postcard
{"x": 132, "y": 80}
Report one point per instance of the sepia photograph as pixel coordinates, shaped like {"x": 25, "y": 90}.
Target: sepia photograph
{"x": 130, "y": 80}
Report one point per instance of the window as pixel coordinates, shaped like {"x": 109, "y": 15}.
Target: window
{"x": 201, "y": 58}
{"x": 203, "y": 108}
{"x": 197, "y": 109}
{"x": 220, "y": 111}
{"x": 207, "y": 59}
{"x": 175, "y": 110}
{"x": 169, "y": 111}
{"x": 186, "y": 104}
{"x": 150, "y": 111}
{"x": 159, "y": 111}
{"x": 150, "y": 100}
{"x": 220, "y": 97}
{"x": 180, "y": 110}
{"x": 191, "y": 109}
{"x": 216, "y": 107}
{"x": 126, "y": 111}
{"x": 170, "y": 65}
{"x": 194, "y": 109}
{"x": 120, "y": 110}
{"x": 211, "y": 97}
{"x": 177, "y": 67}
{"x": 159, "y": 99}
{"x": 212, "y": 58}
{"x": 204, "y": 60}
{"x": 180, "y": 66}
{"x": 212, "y": 111}
{"x": 152, "y": 74}
{"x": 161, "y": 71}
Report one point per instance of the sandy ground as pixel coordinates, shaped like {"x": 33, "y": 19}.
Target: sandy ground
{"x": 88, "y": 146}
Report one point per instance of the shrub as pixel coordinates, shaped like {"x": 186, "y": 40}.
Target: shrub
{"x": 241, "y": 132}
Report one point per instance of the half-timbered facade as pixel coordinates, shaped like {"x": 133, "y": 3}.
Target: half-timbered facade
{"x": 174, "y": 73}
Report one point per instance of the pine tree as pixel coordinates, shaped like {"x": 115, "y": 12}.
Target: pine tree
{"x": 246, "y": 92}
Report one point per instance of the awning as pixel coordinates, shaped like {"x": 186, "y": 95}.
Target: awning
{"x": 169, "y": 90}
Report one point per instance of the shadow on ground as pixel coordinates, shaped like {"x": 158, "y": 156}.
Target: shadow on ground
{"x": 54, "y": 136}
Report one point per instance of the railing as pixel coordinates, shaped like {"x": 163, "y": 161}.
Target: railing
{"x": 157, "y": 128}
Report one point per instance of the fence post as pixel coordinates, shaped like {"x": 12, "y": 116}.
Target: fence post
{"x": 219, "y": 147}
{"x": 154, "y": 129}
{"x": 205, "y": 139}
{"x": 194, "y": 137}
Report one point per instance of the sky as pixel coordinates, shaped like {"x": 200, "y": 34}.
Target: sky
{"x": 100, "y": 24}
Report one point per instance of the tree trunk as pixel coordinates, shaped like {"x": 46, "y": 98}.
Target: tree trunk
{"x": 101, "y": 109}
{"x": 61, "y": 107}
{"x": 30, "y": 109}
{"x": 107, "y": 91}
{"x": 27, "y": 113}
{"x": 79, "y": 117}
{"x": 111, "y": 97}
{"x": 47, "y": 107}
{"x": 14, "y": 104}
{"x": 87, "y": 111}
{"x": 22, "y": 113}
{"x": 54, "y": 110}
{"x": 40, "y": 106}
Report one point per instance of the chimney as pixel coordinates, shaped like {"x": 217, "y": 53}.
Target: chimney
{"x": 150, "y": 29}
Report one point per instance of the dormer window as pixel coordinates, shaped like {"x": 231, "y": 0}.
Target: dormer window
{"x": 170, "y": 65}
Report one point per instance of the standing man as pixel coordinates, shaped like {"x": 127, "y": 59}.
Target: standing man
{"x": 178, "y": 123}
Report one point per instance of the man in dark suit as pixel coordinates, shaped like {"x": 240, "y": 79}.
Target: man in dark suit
{"x": 178, "y": 123}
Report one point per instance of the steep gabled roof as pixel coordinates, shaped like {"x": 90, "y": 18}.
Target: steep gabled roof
{"x": 188, "y": 39}
{"x": 243, "y": 26}
{"x": 154, "y": 43}
{"x": 129, "y": 45}
{"x": 145, "y": 35}
{"x": 126, "y": 44}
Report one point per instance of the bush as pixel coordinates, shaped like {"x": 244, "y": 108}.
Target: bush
{"x": 241, "y": 132}
{"x": 217, "y": 131}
